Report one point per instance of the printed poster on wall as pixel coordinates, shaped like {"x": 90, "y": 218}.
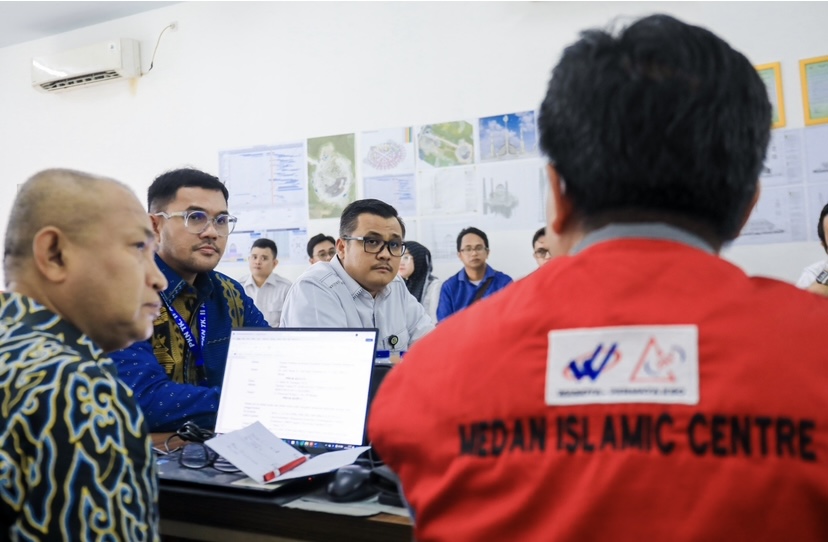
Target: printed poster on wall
{"x": 387, "y": 152}
{"x": 446, "y": 144}
{"x": 507, "y": 137}
{"x": 511, "y": 192}
{"x": 267, "y": 184}
{"x": 331, "y": 175}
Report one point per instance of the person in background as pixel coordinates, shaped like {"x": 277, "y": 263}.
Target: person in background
{"x": 360, "y": 286}
{"x": 814, "y": 278}
{"x": 177, "y": 374}
{"x": 321, "y": 248}
{"x": 476, "y": 280}
{"x": 416, "y": 270}
{"x": 262, "y": 284}
{"x": 539, "y": 250}
{"x": 639, "y": 387}
{"x": 77, "y": 460}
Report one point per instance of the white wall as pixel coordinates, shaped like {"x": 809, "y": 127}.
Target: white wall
{"x": 239, "y": 74}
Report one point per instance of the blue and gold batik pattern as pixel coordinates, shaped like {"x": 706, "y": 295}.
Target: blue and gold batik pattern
{"x": 75, "y": 458}
{"x": 161, "y": 370}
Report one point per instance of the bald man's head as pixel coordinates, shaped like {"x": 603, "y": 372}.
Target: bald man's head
{"x": 83, "y": 247}
{"x": 65, "y": 199}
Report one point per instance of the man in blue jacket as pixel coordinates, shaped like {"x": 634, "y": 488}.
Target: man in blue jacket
{"x": 476, "y": 280}
{"x": 177, "y": 374}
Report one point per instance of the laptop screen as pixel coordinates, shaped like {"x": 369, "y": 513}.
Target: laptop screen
{"x": 309, "y": 387}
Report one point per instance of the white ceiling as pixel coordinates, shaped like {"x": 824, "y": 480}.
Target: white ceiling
{"x": 26, "y": 21}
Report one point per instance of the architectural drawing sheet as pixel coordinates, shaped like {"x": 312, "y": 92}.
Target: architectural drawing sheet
{"x": 446, "y": 144}
{"x": 511, "y": 192}
{"x": 331, "y": 175}
{"x": 387, "y": 152}
{"x": 779, "y": 217}
{"x": 270, "y": 180}
{"x": 507, "y": 137}
{"x": 783, "y": 162}
{"x": 449, "y": 191}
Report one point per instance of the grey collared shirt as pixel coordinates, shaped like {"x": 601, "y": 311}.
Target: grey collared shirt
{"x": 326, "y": 296}
{"x": 644, "y": 230}
{"x": 268, "y": 298}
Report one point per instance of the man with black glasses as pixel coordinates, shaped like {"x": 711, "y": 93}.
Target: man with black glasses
{"x": 177, "y": 374}
{"x": 476, "y": 280}
{"x": 321, "y": 248}
{"x": 360, "y": 286}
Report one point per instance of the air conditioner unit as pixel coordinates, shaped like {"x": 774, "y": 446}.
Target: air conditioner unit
{"x": 90, "y": 65}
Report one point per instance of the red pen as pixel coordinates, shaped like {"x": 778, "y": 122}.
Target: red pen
{"x": 281, "y": 470}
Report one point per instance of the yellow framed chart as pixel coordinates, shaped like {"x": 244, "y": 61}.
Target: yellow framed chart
{"x": 771, "y": 75}
{"x": 814, "y": 75}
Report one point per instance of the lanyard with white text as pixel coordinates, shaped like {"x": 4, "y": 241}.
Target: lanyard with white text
{"x": 194, "y": 347}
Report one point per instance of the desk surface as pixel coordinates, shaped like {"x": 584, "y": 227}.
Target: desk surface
{"x": 195, "y": 510}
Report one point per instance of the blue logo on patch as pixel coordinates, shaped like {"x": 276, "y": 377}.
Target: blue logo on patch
{"x": 604, "y": 360}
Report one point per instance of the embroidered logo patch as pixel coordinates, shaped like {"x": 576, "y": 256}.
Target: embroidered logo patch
{"x": 629, "y": 364}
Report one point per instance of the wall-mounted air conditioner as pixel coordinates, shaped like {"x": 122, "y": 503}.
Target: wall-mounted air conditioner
{"x": 90, "y": 65}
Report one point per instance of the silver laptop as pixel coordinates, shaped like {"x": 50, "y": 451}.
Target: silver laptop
{"x": 309, "y": 387}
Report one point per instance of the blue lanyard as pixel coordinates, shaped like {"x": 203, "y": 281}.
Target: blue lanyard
{"x": 195, "y": 348}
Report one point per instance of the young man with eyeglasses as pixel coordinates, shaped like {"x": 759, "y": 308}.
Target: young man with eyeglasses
{"x": 476, "y": 280}
{"x": 177, "y": 374}
{"x": 360, "y": 287}
{"x": 539, "y": 250}
{"x": 321, "y": 248}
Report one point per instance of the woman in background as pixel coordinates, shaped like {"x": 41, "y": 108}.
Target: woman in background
{"x": 415, "y": 269}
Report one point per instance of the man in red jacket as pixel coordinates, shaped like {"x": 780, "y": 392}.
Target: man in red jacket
{"x": 638, "y": 387}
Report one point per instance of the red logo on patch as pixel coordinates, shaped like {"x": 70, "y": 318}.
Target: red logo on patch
{"x": 656, "y": 365}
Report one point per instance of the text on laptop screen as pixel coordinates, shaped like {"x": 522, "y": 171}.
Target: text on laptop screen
{"x": 302, "y": 384}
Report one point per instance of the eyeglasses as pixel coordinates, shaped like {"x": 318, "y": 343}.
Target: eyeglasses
{"x": 198, "y": 455}
{"x": 478, "y": 248}
{"x": 327, "y": 256}
{"x": 189, "y": 432}
{"x": 372, "y": 245}
{"x": 407, "y": 258}
{"x": 542, "y": 254}
{"x": 197, "y": 222}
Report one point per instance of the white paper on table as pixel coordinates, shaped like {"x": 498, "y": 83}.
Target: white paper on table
{"x": 322, "y": 463}
{"x": 254, "y": 450}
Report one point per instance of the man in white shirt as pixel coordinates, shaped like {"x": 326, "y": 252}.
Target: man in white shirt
{"x": 267, "y": 289}
{"x": 360, "y": 287}
{"x": 321, "y": 248}
{"x": 810, "y": 279}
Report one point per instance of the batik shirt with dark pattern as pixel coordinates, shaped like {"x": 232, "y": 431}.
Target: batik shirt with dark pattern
{"x": 75, "y": 457}
{"x": 161, "y": 371}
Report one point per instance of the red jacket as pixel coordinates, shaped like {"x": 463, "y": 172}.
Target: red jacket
{"x": 464, "y": 420}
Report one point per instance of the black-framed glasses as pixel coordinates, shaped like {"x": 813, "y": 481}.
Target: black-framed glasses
{"x": 542, "y": 254}
{"x": 374, "y": 245}
{"x": 197, "y": 455}
{"x": 189, "y": 432}
{"x": 197, "y": 222}
{"x": 478, "y": 248}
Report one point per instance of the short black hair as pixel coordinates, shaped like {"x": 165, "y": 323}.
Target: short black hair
{"x": 477, "y": 232}
{"x": 350, "y": 216}
{"x": 663, "y": 122}
{"x": 820, "y": 228}
{"x": 316, "y": 239}
{"x": 264, "y": 242}
{"x": 538, "y": 234}
{"x": 165, "y": 187}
